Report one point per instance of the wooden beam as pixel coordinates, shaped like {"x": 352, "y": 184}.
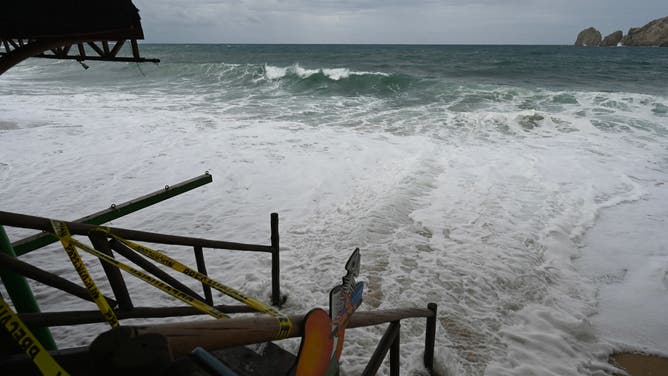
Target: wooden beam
{"x": 76, "y": 228}
{"x": 29, "y": 50}
{"x": 67, "y": 318}
{"x": 82, "y": 50}
{"x": 96, "y": 48}
{"x": 117, "y": 47}
{"x": 152, "y": 268}
{"x": 219, "y": 334}
{"x": 99, "y": 242}
{"x": 47, "y": 278}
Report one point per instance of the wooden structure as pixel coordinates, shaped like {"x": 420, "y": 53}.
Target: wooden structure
{"x": 69, "y": 29}
{"x": 167, "y": 348}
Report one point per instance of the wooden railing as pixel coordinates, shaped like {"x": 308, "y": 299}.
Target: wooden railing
{"x": 122, "y": 303}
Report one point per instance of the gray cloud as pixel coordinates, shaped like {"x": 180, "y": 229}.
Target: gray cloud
{"x": 389, "y": 21}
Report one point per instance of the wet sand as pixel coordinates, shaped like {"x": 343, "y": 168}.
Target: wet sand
{"x": 641, "y": 365}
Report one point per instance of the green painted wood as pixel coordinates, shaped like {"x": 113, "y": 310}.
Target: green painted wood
{"x": 21, "y": 294}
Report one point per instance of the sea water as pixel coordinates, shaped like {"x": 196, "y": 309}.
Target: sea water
{"x": 521, "y": 188}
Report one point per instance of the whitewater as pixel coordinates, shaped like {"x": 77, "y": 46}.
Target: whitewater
{"x": 523, "y": 190}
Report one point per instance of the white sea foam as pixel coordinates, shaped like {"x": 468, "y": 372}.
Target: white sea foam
{"x": 468, "y": 207}
{"x": 274, "y": 73}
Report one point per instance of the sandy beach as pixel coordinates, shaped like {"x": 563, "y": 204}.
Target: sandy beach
{"x": 640, "y": 364}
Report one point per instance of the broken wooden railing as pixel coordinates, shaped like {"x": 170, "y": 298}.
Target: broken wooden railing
{"x": 124, "y": 307}
{"x": 17, "y": 286}
{"x": 182, "y": 338}
{"x": 159, "y": 347}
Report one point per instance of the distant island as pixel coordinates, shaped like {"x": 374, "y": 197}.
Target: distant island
{"x": 654, "y": 33}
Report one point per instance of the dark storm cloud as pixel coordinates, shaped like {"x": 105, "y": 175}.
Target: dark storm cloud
{"x": 389, "y": 21}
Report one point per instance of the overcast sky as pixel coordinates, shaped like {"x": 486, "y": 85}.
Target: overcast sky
{"x": 389, "y": 21}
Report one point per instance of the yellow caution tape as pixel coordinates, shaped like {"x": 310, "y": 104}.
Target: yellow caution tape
{"x": 285, "y": 325}
{"x": 195, "y": 303}
{"x": 63, "y": 234}
{"x": 27, "y": 342}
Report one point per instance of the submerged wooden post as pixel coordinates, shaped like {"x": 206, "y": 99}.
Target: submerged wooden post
{"x": 430, "y": 339}
{"x": 275, "y": 263}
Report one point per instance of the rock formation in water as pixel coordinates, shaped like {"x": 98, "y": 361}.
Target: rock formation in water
{"x": 589, "y": 37}
{"x": 654, "y": 33}
{"x": 612, "y": 39}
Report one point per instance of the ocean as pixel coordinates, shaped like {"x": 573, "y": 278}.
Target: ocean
{"x": 521, "y": 188}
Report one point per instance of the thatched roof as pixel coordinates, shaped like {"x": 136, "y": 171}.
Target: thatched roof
{"x": 79, "y": 20}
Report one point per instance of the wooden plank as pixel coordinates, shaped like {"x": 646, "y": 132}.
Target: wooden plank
{"x": 103, "y": 58}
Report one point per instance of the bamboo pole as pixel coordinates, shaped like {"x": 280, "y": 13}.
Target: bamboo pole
{"x": 219, "y": 334}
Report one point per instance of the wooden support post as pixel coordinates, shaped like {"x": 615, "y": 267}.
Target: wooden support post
{"x": 96, "y": 48}
{"x": 151, "y": 268}
{"x": 430, "y": 339}
{"x": 117, "y": 47}
{"x": 99, "y": 241}
{"x": 20, "y": 293}
{"x": 135, "y": 48}
{"x": 383, "y": 347}
{"x": 395, "y": 351}
{"x": 201, "y": 267}
{"x": 276, "y": 298}
{"x": 105, "y": 47}
{"x": 82, "y": 51}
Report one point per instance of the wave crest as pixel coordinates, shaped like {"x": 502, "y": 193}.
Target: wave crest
{"x": 276, "y": 73}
